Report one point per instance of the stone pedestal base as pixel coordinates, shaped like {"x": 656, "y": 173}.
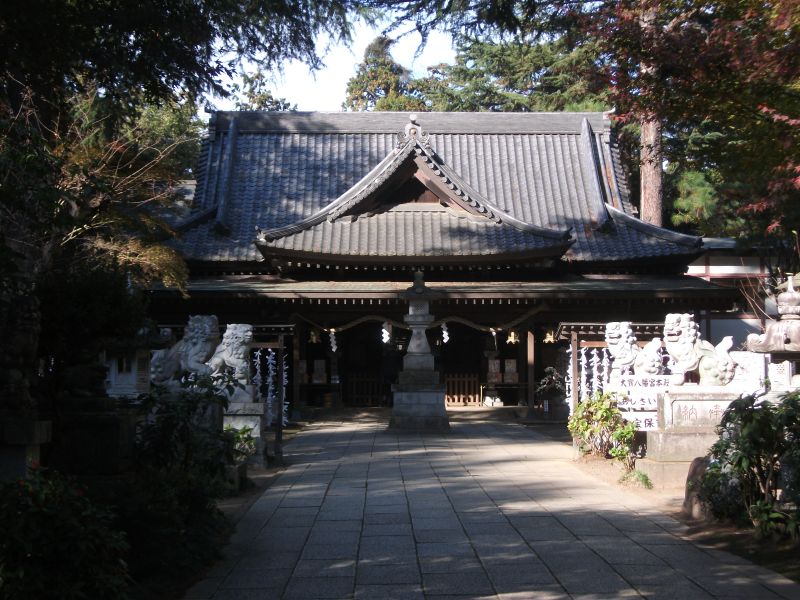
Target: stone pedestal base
{"x": 670, "y": 454}
{"x": 248, "y": 414}
{"x": 419, "y": 407}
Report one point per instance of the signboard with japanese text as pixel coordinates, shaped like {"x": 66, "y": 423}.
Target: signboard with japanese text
{"x": 640, "y": 398}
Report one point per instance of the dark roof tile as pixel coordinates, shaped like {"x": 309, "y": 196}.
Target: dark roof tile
{"x": 534, "y": 167}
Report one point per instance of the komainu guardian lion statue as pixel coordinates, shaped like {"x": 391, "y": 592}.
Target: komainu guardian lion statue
{"x": 691, "y": 354}
{"x": 190, "y": 354}
{"x": 622, "y": 346}
{"x": 233, "y": 353}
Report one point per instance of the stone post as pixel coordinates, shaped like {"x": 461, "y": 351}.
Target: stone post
{"x": 418, "y": 395}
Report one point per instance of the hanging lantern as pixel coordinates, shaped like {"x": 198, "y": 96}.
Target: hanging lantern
{"x": 549, "y": 337}
{"x": 445, "y": 334}
{"x": 513, "y": 337}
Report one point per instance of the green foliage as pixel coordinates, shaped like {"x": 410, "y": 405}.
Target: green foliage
{"x": 156, "y": 47}
{"x": 699, "y": 205}
{"x": 167, "y": 506}
{"x": 239, "y": 443}
{"x": 93, "y": 132}
{"x": 721, "y": 77}
{"x": 637, "y": 478}
{"x": 599, "y": 428}
{"x": 68, "y": 338}
{"x": 552, "y": 381}
{"x": 380, "y": 83}
{"x": 517, "y": 75}
{"x": 254, "y": 94}
{"x": 167, "y": 134}
{"x": 753, "y": 470}
{"x": 56, "y": 544}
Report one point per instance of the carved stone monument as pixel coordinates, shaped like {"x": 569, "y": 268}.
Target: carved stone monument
{"x": 189, "y": 355}
{"x": 200, "y": 352}
{"x": 233, "y": 356}
{"x": 419, "y": 403}
{"x": 679, "y": 404}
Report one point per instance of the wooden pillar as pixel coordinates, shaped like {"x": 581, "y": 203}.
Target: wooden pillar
{"x": 298, "y": 372}
{"x": 531, "y": 358}
{"x": 576, "y": 384}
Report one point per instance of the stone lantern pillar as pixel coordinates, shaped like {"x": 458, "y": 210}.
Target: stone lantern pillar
{"x": 418, "y": 395}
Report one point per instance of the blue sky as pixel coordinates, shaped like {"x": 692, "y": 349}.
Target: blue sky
{"x": 325, "y": 89}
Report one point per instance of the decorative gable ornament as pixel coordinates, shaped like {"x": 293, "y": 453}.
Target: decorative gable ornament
{"x": 413, "y": 132}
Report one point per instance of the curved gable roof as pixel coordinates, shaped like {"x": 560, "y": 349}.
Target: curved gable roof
{"x": 544, "y": 173}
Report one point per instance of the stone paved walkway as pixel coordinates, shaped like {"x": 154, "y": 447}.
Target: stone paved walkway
{"x": 492, "y": 510}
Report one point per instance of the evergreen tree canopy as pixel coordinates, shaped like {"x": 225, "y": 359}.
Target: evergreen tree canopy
{"x": 254, "y": 94}
{"x": 721, "y": 77}
{"x": 97, "y": 118}
{"x": 380, "y": 83}
{"x": 55, "y": 47}
{"x": 517, "y": 76}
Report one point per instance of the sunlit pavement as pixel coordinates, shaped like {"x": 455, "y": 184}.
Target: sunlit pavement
{"x": 490, "y": 510}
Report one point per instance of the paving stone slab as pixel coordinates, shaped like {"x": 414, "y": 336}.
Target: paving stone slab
{"x": 467, "y": 583}
{"x": 256, "y": 579}
{"x": 445, "y": 549}
{"x": 542, "y": 593}
{"x": 261, "y": 594}
{"x": 329, "y": 551}
{"x": 340, "y": 525}
{"x": 387, "y": 574}
{"x": 449, "y": 564}
{"x": 389, "y": 592}
{"x": 326, "y": 536}
{"x": 307, "y": 588}
{"x": 260, "y": 559}
{"x": 382, "y": 529}
{"x": 203, "y": 589}
{"x": 360, "y": 508}
{"x": 513, "y": 577}
{"x": 332, "y": 567}
{"x": 386, "y": 508}
{"x": 384, "y": 518}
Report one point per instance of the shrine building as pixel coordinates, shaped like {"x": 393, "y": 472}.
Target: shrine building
{"x": 313, "y": 225}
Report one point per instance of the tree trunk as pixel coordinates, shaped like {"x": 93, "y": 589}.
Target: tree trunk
{"x": 650, "y": 171}
{"x": 650, "y": 155}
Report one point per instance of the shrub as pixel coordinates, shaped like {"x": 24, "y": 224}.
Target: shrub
{"x": 598, "y": 426}
{"x": 753, "y": 469}
{"x": 167, "y": 504}
{"x": 239, "y": 443}
{"x": 56, "y": 543}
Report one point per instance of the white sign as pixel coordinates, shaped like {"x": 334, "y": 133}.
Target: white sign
{"x": 639, "y": 400}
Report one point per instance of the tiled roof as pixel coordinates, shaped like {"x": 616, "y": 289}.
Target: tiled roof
{"x": 552, "y": 172}
{"x": 418, "y": 230}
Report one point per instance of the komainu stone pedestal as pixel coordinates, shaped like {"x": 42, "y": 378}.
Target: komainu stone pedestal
{"x": 418, "y": 395}
{"x": 689, "y": 416}
{"x": 243, "y": 411}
